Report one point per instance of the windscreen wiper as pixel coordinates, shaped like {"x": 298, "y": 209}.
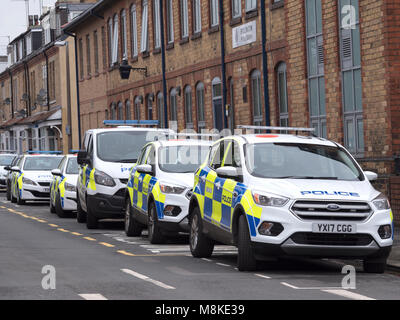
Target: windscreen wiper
{"x": 127, "y": 160}
{"x": 307, "y": 177}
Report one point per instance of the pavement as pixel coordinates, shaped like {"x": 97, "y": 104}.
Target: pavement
{"x": 394, "y": 258}
{"x": 105, "y": 264}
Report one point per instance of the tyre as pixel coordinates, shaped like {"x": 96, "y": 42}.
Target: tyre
{"x": 374, "y": 266}
{"x": 154, "y": 230}
{"x": 8, "y": 192}
{"x": 59, "y": 210}
{"x": 91, "y": 221}
{"x": 19, "y": 200}
{"x": 80, "y": 214}
{"x": 132, "y": 227}
{"x": 13, "y": 199}
{"x": 246, "y": 260}
{"x": 200, "y": 245}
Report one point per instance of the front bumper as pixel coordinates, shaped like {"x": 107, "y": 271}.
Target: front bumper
{"x": 105, "y": 206}
{"x": 69, "y": 202}
{"x": 33, "y": 192}
{"x": 179, "y": 222}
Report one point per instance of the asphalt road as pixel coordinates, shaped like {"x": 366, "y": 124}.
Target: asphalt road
{"x": 105, "y": 264}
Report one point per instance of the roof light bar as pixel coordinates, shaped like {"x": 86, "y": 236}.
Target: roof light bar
{"x": 73, "y": 151}
{"x": 208, "y": 135}
{"x": 43, "y": 152}
{"x": 131, "y": 122}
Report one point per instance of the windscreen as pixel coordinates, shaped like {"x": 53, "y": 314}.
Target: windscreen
{"x": 72, "y": 166}
{"x": 41, "y": 163}
{"x": 181, "y": 159}
{"x": 300, "y": 161}
{"x": 122, "y": 146}
{"x": 6, "y": 160}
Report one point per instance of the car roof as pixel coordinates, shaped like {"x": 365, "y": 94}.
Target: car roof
{"x": 282, "y": 138}
{"x": 128, "y": 128}
{"x": 43, "y": 155}
{"x": 182, "y": 142}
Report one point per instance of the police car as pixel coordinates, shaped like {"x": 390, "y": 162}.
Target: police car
{"x": 63, "y": 186}
{"x": 31, "y": 177}
{"x": 5, "y": 161}
{"x": 160, "y": 186}
{"x": 9, "y": 176}
{"x": 105, "y": 162}
{"x": 282, "y": 194}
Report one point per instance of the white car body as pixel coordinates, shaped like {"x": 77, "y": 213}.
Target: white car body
{"x": 4, "y": 172}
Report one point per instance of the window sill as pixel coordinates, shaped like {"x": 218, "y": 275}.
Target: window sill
{"x": 145, "y": 54}
{"x": 213, "y": 29}
{"x": 89, "y": 77}
{"x": 134, "y": 59}
{"x": 195, "y": 36}
{"x": 277, "y": 5}
{"x": 156, "y": 51}
{"x": 184, "y": 40}
{"x": 251, "y": 14}
{"x": 235, "y": 21}
{"x": 96, "y": 74}
{"x": 169, "y": 46}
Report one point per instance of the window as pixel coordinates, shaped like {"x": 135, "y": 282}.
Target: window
{"x": 96, "y": 52}
{"x": 80, "y": 60}
{"x": 173, "y": 105}
{"x": 236, "y": 8}
{"x": 201, "y": 123}
{"x": 88, "y": 62}
{"x": 149, "y": 109}
{"x": 134, "y": 38}
{"x": 282, "y": 95}
{"x": 196, "y": 16}
{"x": 149, "y": 103}
{"x": 315, "y": 61}
{"x": 120, "y": 111}
{"x": 184, "y": 19}
{"x": 115, "y": 41}
{"x": 103, "y": 44}
{"x": 124, "y": 39}
{"x": 144, "y": 45}
{"x": 110, "y": 40}
{"x": 351, "y": 78}
{"x": 251, "y": 5}
{"x": 188, "y": 107}
{"x": 170, "y": 22}
{"x": 157, "y": 24}
{"x": 138, "y": 102}
{"x": 52, "y": 81}
{"x": 106, "y": 115}
{"x": 160, "y": 109}
{"x": 256, "y": 97}
{"x": 231, "y": 117}
{"x": 127, "y": 110}
{"x": 214, "y": 15}
{"x": 113, "y": 111}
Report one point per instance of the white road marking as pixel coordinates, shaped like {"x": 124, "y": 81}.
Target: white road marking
{"x": 262, "y": 276}
{"x": 289, "y": 285}
{"x": 348, "y": 294}
{"x": 223, "y": 264}
{"x": 92, "y": 296}
{"x": 146, "y": 278}
{"x": 205, "y": 259}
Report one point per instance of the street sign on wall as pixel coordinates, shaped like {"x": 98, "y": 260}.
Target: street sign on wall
{"x": 244, "y": 34}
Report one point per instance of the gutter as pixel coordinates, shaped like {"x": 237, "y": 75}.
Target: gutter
{"x": 164, "y": 80}
{"x": 47, "y": 79}
{"x": 12, "y": 92}
{"x": 224, "y": 90}
{"x": 265, "y": 65}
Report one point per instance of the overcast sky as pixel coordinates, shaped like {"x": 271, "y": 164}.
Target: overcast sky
{"x": 13, "y": 18}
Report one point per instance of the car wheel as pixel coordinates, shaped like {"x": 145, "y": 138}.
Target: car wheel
{"x": 80, "y": 214}
{"x": 19, "y": 200}
{"x": 132, "y": 227}
{"x": 154, "y": 230}
{"x": 200, "y": 245}
{"x": 374, "y": 266}
{"x": 59, "y": 210}
{"x": 246, "y": 260}
{"x": 8, "y": 192}
{"x": 13, "y": 199}
{"x": 91, "y": 221}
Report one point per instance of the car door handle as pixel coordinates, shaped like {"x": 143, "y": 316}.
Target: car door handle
{"x": 235, "y": 194}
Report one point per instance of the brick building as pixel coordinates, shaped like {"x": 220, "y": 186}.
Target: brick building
{"x": 332, "y": 65}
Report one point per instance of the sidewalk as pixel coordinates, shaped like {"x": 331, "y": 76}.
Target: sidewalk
{"x": 394, "y": 258}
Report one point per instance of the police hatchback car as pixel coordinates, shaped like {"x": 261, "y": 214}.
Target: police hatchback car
{"x": 5, "y": 161}
{"x": 63, "y": 186}
{"x": 160, "y": 186}
{"x": 31, "y": 177}
{"x": 281, "y": 194}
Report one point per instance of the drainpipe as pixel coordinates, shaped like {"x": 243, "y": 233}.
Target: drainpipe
{"x": 12, "y": 92}
{"x": 47, "y": 79}
{"x": 28, "y": 89}
{"x": 163, "y": 65}
{"x": 223, "y": 76}
{"x": 265, "y": 64}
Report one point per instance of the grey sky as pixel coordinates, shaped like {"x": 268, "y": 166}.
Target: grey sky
{"x": 13, "y": 18}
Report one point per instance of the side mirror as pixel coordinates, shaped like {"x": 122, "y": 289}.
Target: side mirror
{"x": 371, "y": 176}
{"x": 7, "y": 168}
{"x": 228, "y": 173}
{"x": 144, "y": 168}
{"x": 56, "y": 172}
{"x": 82, "y": 158}
{"x": 15, "y": 169}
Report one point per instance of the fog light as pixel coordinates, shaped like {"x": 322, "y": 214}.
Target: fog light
{"x": 385, "y": 232}
{"x": 172, "y": 211}
{"x": 270, "y": 228}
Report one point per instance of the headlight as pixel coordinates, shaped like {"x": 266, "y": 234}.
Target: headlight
{"x": 269, "y": 199}
{"x": 103, "y": 179}
{"x": 166, "y": 188}
{"x": 69, "y": 187}
{"x": 28, "y": 181}
{"x": 381, "y": 202}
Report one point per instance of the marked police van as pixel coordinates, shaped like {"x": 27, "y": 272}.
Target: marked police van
{"x": 63, "y": 186}
{"x": 160, "y": 186}
{"x": 5, "y": 161}
{"x": 31, "y": 177}
{"x": 108, "y": 155}
{"x": 283, "y": 194}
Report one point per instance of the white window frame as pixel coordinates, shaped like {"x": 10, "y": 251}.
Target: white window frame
{"x": 236, "y": 8}
{"x": 251, "y": 5}
{"x": 157, "y": 24}
{"x": 134, "y": 37}
{"x": 114, "y": 57}
{"x": 214, "y": 13}
{"x": 196, "y": 16}
{"x": 184, "y": 19}
{"x": 144, "y": 45}
{"x": 124, "y": 37}
{"x": 170, "y": 21}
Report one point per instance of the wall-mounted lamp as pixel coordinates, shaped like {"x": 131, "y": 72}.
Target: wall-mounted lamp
{"x": 125, "y": 70}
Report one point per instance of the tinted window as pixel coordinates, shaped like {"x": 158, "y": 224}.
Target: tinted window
{"x": 40, "y": 163}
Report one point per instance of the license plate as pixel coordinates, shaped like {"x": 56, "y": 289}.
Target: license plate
{"x": 334, "y": 227}
{"x": 46, "y": 189}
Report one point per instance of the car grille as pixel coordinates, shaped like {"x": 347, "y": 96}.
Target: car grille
{"x": 38, "y": 194}
{"x": 331, "y": 239}
{"x": 331, "y": 210}
{"x": 120, "y": 193}
{"x": 124, "y": 181}
{"x": 44, "y": 184}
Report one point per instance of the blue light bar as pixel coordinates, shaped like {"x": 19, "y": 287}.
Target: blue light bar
{"x": 73, "y": 151}
{"x": 43, "y": 152}
{"x": 131, "y": 122}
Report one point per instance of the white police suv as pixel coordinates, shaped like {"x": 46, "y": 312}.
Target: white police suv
{"x": 31, "y": 177}
{"x": 63, "y": 186}
{"x": 281, "y": 194}
{"x": 105, "y": 162}
{"x": 160, "y": 186}
{"x": 5, "y": 161}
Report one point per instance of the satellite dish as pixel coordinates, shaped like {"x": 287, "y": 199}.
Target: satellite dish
{"x": 7, "y": 101}
{"x": 25, "y": 97}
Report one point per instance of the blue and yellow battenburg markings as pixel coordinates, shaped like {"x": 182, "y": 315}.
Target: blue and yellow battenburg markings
{"x": 87, "y": 178}
{"x": 58, "y": 185}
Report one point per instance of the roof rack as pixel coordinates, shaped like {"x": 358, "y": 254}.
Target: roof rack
{"x": 131, "y": 122}
{"x": 310, "y": 130}
{"x": 43, "y": 152}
